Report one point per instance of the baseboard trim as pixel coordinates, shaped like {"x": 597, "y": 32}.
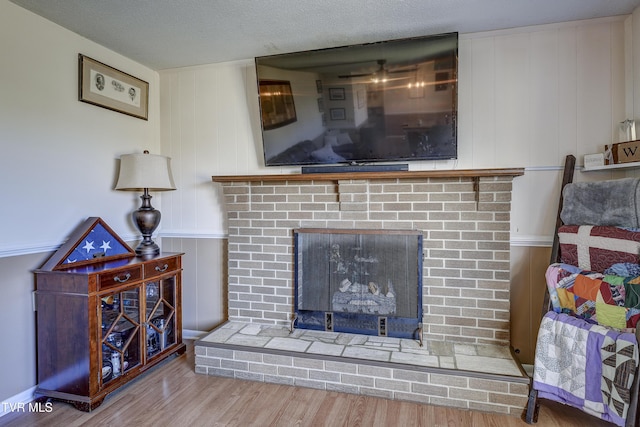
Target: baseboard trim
{"x": 190, "y": 334}
{"x": 17, "y": 403}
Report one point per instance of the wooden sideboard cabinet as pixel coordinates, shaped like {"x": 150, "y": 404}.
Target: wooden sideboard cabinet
{"x": 104, "y": 320}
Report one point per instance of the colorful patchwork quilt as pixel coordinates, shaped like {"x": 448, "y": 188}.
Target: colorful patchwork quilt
{"x": 585, "y": 365}
{"x": 610, "y": 299}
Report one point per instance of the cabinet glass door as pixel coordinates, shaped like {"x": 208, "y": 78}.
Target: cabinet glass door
{"x": 120, "y": 317}
{"x": 160, "y": 315}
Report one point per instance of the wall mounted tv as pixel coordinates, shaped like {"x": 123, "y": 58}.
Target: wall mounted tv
{"x": 378, "y": 102}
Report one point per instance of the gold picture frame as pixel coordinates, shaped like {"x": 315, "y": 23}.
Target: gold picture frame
{"x": 106, "y": 87}
{"x": 276, "y": 104}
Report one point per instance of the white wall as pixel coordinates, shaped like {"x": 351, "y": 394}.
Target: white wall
{"x": 57, "y": 166}
{"x": 59, "y": 155}
{"x": 527, "y": 98}
{"x": 209, "y": 125}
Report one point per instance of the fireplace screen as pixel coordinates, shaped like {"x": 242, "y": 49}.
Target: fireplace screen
{"x": 359, "y": 281}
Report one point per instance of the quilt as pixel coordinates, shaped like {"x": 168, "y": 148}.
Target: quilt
{"x": 585, "y": 365}
{"x": 596, "y": 248}
{"x": 611, "y": 298}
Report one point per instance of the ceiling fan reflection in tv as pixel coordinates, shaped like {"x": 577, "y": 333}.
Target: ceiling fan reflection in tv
{"x": 386, "y": 101}
{"x": 380, "y": 75}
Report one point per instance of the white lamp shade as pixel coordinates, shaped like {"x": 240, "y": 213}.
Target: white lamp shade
{"x": 140, "y": 171}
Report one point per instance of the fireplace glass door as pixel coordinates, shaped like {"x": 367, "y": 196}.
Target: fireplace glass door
{"x": 359, "y": 281}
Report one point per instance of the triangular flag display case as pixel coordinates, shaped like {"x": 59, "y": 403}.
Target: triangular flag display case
{"x": 103, "y": 315}
{"x": 92, "y": 241}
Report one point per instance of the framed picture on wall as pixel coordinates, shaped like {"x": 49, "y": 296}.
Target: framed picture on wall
{"x": 336, "y": 93}
{"x": 276, "y": 104}
{"x": 337, "y": 113}
{"x": 106, "y": 87}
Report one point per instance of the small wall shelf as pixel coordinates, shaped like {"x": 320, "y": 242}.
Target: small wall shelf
{"x": 614, "y": 166}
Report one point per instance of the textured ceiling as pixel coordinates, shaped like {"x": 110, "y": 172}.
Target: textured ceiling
{"x": 176, "y": 33}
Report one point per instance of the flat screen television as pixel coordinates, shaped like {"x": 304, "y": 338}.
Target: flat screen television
{"x": 378, "y": 102}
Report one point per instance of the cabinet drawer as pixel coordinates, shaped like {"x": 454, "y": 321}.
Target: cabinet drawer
{"x": 160, "y": 266}
{"x": 119, "y": 277}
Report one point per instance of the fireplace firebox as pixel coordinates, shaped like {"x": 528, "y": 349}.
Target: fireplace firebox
{"x": 359, "y": 281}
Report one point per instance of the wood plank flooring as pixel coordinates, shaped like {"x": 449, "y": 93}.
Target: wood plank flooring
{"x": 174, "y": 395}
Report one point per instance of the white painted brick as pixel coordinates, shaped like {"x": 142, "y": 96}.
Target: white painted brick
{"x": 357, "y": 380}
{"x": 342, "y": 367}
{"x": 342, "y": 388}
{"x": 324, "y": 376}
{"x": 293, "y": 372}
{"x": 263, "y": 368}
{"x": 385, "y": 394}
{"x": 276, "y": 379}
{"x": 375, "y": 371}
{"x": 411, "y": 397}
{"x": 250, "y": 376}
{"x": 394, "y": 385}
{"x": 320, "y": 385}
{"x": 431, "y": 205}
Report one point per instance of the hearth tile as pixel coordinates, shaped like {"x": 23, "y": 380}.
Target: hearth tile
{"x": 390, "y": 344}
{"x": 219, "y": 335}
{"x": 296, "y": 333}
{"x": 248, "y": 340}
{"x": 344, "y": 339}
{"x": 415, "y": 359}
{"x": 288, "y": 344}
{"x": 447, "y": 362}
{"x": 490, "y": 365}
{"x": 367, "y": 353}
{"x": 466, "y": 349}
{"x": 356, "y": 339}
{"x": 406, "y": 344}
{"x": 326, "y": 349}
{"x": 381, "y": 340}
{"x": 441, "y": 348}
{"x": 276, "y": 331}
{"x": 494, "y": 351}
{"x": 251, "y": 329}
{"x": 319, "y": 335}
{"x": 236, "y": 326}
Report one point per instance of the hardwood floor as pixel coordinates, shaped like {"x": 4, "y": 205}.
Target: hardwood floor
{"x": 174, "y": 395}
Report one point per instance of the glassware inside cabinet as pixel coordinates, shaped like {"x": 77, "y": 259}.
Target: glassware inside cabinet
{"x": 160, "y": 315}
{"x": 120, "y": 316}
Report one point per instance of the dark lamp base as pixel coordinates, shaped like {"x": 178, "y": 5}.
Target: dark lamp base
{"x": 146, "y": 219}
{"x": 145, "y": 249}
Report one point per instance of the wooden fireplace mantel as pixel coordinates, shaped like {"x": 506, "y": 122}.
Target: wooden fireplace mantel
{"x": 338, "y": 176}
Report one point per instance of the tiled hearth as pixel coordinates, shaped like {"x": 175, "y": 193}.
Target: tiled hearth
{"x": 470, "y": 376}
{"x": 465, "y": 362}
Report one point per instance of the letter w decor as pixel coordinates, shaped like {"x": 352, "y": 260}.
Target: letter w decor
{"x": 623, "y": 152}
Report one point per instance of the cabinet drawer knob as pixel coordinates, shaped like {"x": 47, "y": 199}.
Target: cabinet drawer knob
{"x": 122, "y": 279}
{"x": 163, "y": 268}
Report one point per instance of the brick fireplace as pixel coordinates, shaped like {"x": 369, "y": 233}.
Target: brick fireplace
{"x": 465, "y": 221}
{"x": 464, "y": 217}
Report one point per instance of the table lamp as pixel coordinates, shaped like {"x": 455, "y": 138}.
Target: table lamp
{"x": 145, "y": 172}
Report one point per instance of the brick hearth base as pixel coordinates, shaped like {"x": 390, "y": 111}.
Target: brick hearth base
{"x": 462, "y": 375}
